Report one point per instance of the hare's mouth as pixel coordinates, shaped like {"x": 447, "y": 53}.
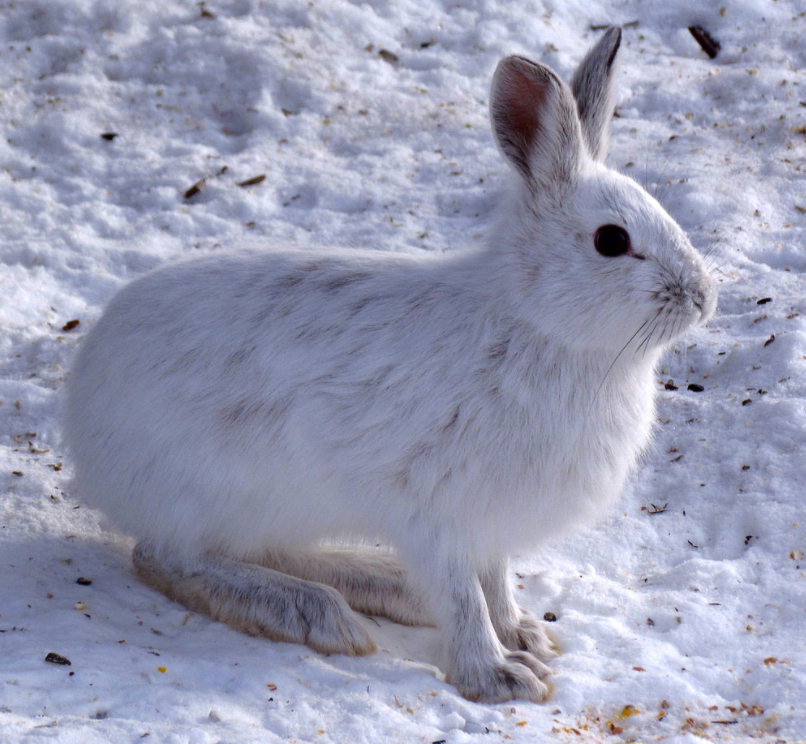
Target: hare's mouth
{"x": 672, "y": 317}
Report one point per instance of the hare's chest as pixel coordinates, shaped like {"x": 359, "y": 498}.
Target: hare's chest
{"x": 569, "y": 458}
{"x": 612, "y": 432}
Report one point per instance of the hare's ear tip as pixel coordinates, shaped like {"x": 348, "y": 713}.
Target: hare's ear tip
{"x": 518, "y": 68}
{"x": 612, "y": 38}
{"x": 504, "y": 63}
{"x": 515, "y": 62}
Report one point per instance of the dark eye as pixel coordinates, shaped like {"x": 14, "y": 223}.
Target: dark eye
{"x": 611, "y": 240}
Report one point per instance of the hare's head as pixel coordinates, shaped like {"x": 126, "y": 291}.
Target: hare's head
{"x": 597, "y": 260}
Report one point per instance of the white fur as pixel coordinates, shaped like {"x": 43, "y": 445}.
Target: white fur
{"x": 233, "y": 411}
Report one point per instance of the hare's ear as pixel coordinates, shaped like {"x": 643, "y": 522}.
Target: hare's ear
{"x": 535, "y": 122}
{"x": 594, "y": 87}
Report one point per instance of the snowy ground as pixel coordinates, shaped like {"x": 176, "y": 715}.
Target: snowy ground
{"x": 369, "y": 121}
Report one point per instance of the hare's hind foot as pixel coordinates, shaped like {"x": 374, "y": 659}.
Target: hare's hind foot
{"x": 258, "y": 600}
{"x": 374, "y": 583}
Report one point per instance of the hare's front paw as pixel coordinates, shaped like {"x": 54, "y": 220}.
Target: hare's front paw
{"x": 516, "y": 676}
{"x": 530, "y": 635}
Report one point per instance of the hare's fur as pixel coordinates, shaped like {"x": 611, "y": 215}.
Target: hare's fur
{"x": 236, "y": 411}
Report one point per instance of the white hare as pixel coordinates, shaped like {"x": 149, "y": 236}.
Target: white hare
{"x": 237, "y": 412}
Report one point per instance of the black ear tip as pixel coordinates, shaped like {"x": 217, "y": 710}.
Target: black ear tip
{"x": 613, "y": 35}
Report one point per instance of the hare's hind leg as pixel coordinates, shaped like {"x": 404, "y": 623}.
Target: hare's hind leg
{"x": 516, "y": 628}
{"x": 372, "y": 582}
{"x": 257, "y": 600}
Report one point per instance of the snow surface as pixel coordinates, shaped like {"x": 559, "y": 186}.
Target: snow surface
{"x": 688, "y": 603}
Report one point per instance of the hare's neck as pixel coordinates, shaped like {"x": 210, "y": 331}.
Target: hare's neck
{"x": 594, "y": 396}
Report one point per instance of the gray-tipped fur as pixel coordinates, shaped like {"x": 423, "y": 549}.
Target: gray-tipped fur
{"x": 594, "y": 87}
{"x": 371, "y": 582}
{"x": 237, "y": 412}
{"x": 257, "y": 600}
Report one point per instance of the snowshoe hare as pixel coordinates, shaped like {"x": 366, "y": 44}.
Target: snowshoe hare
{"x": 239, "y": 412}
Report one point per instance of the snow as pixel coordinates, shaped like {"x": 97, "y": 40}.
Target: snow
{"x": 688, "y": 603}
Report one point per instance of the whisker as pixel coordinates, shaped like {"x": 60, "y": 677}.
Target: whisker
{"x": 714, "y": 260}
{"x": 706, "y": 253}
{"x": 663, "y": 184}
{"x": 613, "y": 364}
{"x": 672, "y": 329}
{"x": 662, "y": 327}
{"x": 645, "y": 335}
{"x": 645, "y": 344}
{"x": 679, "y": 326}
{"x": 718, "y": 270}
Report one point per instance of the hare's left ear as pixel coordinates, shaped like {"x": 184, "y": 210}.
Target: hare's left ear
{"x": 535, "y": 122}
{"x": 594, "y": 88}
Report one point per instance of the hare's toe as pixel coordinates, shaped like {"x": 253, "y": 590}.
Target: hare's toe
{"x": 507, "y": 679}
{"x": 539, "y": 669}
{"x": 531, "y": 635}
{"x": 333, "y": 628}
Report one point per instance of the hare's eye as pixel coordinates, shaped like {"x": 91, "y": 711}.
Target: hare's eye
{"x": 612, "y": 240}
